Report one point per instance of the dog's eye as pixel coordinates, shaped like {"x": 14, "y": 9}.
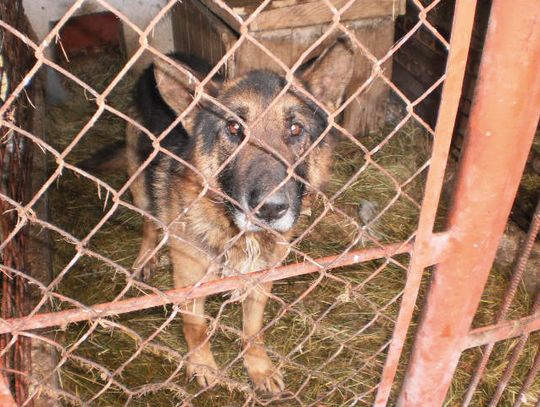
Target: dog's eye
{"x": 234, "y": 128}
{"x": 296, "y": 129}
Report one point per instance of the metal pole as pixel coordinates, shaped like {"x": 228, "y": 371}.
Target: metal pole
{"x": 502, "y": 124}
{"x": 220, "y": 285}
{"x": 457, "y": 60}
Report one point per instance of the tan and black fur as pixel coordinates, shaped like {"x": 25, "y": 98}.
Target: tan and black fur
{"x": 259, "y": 196}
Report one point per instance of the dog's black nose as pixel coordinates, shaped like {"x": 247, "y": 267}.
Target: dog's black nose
{"x": 272, "y": 209}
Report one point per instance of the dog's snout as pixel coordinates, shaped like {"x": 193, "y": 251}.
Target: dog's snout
{"x": 271, "y": 211}
{"x": 273, "y": 207}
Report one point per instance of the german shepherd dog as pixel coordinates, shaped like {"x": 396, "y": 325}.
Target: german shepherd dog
{"x": 247, "y": 227}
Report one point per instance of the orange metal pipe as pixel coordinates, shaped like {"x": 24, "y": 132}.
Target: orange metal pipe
{"x": 503, "y": 330}
{"x": 502, "y": 124}
{"x": 425, "y": 240}
{"x": 62, "y": 318}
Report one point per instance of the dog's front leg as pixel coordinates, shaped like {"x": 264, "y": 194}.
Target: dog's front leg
{"x": 144, "y": 265}
{"x": 261, "y": 370}
{"x": 200, "y": 361}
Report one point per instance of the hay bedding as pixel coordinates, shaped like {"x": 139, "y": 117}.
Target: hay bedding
{"x": 353, "y": 315}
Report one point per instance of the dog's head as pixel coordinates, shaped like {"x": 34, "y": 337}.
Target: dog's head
{"x": 258, "y": 144}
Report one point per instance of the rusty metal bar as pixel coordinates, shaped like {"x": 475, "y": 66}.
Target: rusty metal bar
{"x": 531, "y": 375}
{"x": 455, "y": 72}
{"x": 519, "y": 269}
{"x": 516, "y": 353}
{"x": 509, "y": 370}
{"x": 513, "y": 361}
{"x": 211, "y": 287}
{"x": 502, "y": 124}
{"x": 502, "y": 331}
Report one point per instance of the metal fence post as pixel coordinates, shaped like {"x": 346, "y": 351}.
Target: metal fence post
{"x": 502, "y": 124}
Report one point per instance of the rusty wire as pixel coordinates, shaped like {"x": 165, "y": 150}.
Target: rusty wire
{"x": 427, "y": 245}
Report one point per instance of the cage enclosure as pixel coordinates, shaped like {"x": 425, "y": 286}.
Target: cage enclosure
{"x": 410, "y": 274}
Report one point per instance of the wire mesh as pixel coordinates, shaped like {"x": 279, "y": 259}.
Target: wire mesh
{"x": 328, "y": 325}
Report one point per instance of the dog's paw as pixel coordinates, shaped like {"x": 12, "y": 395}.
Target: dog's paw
{"x": 203, "y": 368}
{"x": 269, "y": 382}
{"x": 144, "y": 271}
{"x": 265, "y": 376}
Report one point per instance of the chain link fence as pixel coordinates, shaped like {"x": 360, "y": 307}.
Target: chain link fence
{"x": 339, "y": 321}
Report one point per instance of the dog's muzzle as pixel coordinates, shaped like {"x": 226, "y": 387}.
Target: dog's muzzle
{"x": 274, "y": 212}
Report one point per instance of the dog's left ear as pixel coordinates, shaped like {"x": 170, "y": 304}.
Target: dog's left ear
{"x": 329, "y": 75}
{"x": 177, "y": 86}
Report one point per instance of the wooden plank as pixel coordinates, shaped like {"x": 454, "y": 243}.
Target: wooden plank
{"x": 302, "y": 15}
{"x": 198, "y": 32}
{"x": 222, "y": 14}
{"x": 367, "y": 111}
{"x": 293, "y": 14}
{"x": 250, "y": 6}
{"x": 287, "y": 45}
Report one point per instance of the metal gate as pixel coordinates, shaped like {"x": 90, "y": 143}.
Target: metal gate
{"x": 502, "y": 125}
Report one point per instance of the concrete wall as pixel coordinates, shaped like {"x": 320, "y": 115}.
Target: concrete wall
{"x": 42, "y": 13}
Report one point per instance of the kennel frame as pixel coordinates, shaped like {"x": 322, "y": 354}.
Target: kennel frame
{"x": 513, "y": 30}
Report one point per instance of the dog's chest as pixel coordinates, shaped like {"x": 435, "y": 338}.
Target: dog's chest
{"x": 244, "y": 257}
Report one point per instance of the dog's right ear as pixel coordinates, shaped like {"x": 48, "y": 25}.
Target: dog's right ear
{"x": 329, "y": 75}
{"x": 177, "y": 86}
